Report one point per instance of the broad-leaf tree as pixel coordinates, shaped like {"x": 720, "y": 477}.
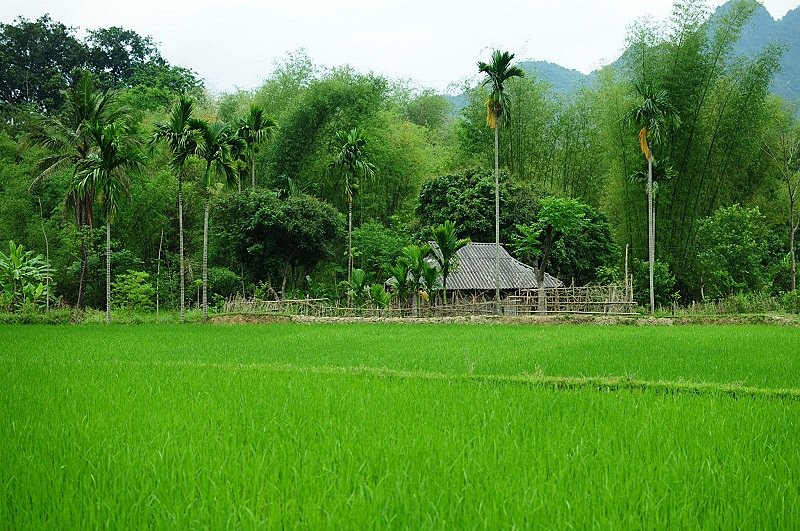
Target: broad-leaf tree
{"x": 105, "y": 173}
{"x": 216, "y": 144}
{"x": 654, "y": 114}
{"x": 447, "y": 246}
{"x": 351, "y": 162}
{"x": 498, "y": 72}
{"x": 558, "y": 217}
{"x": 179, "y": 137}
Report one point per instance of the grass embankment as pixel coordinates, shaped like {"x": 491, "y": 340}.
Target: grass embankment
{"x": 408, "y": 426}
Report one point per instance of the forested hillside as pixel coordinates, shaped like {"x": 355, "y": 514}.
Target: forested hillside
{"x": 759, "y": 31}
{"x": 106, "y": 147}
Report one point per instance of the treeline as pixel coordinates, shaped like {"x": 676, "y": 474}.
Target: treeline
{"x": 726, "y": 172}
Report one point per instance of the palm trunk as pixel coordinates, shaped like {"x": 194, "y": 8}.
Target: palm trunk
{"x": 205, "y": 254}
{"x": 108, "y": 271}
{"x": 84, "y": 267}
{"x": 497, "y": 217}
{"x": 180, "y": 237}
{"x": 253, "y": 169}
{"x": 651, "y": 237}
{"x": 349, "y": 238}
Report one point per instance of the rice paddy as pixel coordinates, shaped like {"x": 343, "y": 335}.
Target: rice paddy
{"x": 399, "y": 426}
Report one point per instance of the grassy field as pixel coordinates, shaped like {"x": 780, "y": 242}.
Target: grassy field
{"x": 445, "y": 426}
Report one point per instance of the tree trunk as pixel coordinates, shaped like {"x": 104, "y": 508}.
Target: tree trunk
{"x": 158, "y": 271}
{"x": 84, "y": 264}
{"x": 108, "y": 271}
{"x": 792, "y": 237}
{"x": 349, "y": 242}
{"x": 651, "y": 237}
{"x": 205, "y": 254}
{"x": 253, "y": 169}
{"x": 497, "y": 217}
{"x": 540, "y": 270}
{"x": 180, "y": 237}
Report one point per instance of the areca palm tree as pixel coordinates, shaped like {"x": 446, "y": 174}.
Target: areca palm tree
{"x": 180, "y": 139}
{"x": 69, "y": 141}
{"x": 448, "y": 245}
{"x": 351, "y": 161}
{"x": 653, "y": 115}
{"x": 105, "y": 172}
{"x": 498, "y": 72}
{"x": 216, "y": 144}
{"x": 254, "y": 129}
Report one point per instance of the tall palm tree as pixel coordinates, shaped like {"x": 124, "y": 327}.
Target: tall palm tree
{"x": 216, "y": 144}
{"x": 254, "y": 129}
{"x": 180, "y": 139}
{"x": 448, "y": 245}
{"x": 653, "y": 115}
{"x": 105, "y": 172}
{"x": 498, "y": 72}
{"x": 351, "y": 161}
{"x": 69, "y": 141}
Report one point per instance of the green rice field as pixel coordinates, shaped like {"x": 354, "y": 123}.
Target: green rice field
{"x": 399, "y": 426}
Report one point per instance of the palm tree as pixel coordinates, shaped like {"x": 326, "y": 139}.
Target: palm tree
{"x": 497, "y": 114}
{"x": 105, "y": 172}
{"x": 254, "y": 129}
{"x": 448, "y": 245}
{"x": 216, "y": 144}
{"x": 414, "y": 256}
{"x": 70, "y": 141}
{"x": 351, "y": 161}
{"x": 654, "y": 114}
{"x": 180, "y": 138}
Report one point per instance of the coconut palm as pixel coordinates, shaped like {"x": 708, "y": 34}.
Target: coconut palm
{"x": 653, "y": 115}
{"x": 105, "y": 172}
{"x": 254, "y": 129}
{"x": 180, "y": 139}
{"x": 498, "y": 72}
{"x": 351, "y": 162}
{"x": 448, "y": 245}
{"x": 69, "y": 141}
{"x": 216, "y": 145}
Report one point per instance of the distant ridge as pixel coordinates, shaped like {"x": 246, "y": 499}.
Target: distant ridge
{"x": 760, "y": 30}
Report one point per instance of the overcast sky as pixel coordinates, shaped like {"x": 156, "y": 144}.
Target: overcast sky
{"x": 235, "y": 43}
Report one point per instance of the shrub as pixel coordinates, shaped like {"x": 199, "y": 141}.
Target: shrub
{"x": 133, "y": 291}
{"x": 663, "y": 283}
{"x": 223, "y": 282}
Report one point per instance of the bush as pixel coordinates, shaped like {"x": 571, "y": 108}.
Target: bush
{"x": 133, "y": 291}
{"x": 791, "y": 301}
{"x": 663, "y": 283}
{"x": 223, "y": 282}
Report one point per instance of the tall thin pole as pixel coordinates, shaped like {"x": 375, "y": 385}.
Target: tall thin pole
{"x": 497, "y": 217}
{"x": 651, "y": 237}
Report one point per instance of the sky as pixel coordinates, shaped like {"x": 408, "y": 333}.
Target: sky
{"x": 235, "y": 44}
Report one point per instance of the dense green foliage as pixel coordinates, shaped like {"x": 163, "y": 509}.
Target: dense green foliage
{"x": 292, "y": 425}
{"x": 726, "y": 146}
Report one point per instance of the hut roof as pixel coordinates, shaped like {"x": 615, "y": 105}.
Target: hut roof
{"x": 475, "y": 270}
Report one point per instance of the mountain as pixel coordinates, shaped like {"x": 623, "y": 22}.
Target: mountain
{"x": 760, "y": 30}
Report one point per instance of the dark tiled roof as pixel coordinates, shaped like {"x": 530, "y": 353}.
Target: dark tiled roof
{"x": 475, "y": 270}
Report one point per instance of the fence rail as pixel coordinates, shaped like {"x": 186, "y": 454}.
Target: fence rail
{"x": 606, "y": 300}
